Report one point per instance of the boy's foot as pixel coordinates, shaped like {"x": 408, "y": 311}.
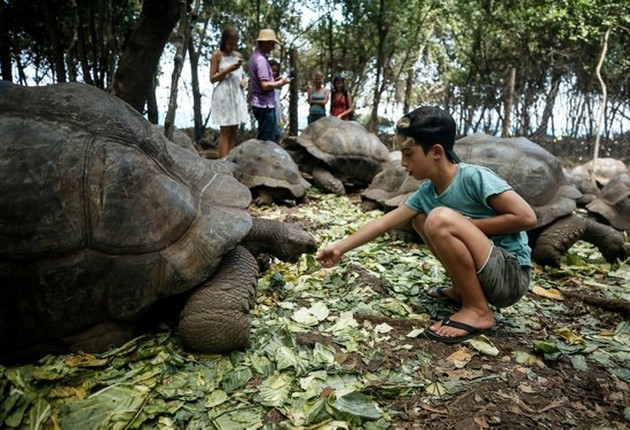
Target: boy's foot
{"x": 445, "y": 293}
{"x": 468, "y": 322}
{"x": 469, "y": 331}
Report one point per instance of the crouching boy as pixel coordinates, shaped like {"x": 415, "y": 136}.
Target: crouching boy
{"x": 468, "y": 217}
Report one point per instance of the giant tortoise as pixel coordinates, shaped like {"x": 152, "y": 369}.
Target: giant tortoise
{"x": 592, "y": 176}
{"x": 601, "y": 171}
{"x": 269, "y": 172}
{"x": 388, "y": 190}
{"x": 538, "y": 177}
{"x": 101, "y": 217}
{"x": 613, "y": 202}
{"x": 338, "y": 153}
{"x": 390, "y": 187}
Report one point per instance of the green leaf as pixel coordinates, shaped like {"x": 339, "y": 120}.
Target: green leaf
{"x": 357, "y": 405}
{"x": 216, "y": 398}
{"x": 242, "y": 419}
{"x": 546, "y": 347}
{"x": 236, "y": 378}
{"x": 39, "y": 413}
{"x": 344, "y": 323}
{"x": 579, "y": 362}
{"x": 287, "y": 358}
{"x": 317, "y": 412}
{"x": 323, "y": 354}
{"x": 274, "y": 391}
{"x": 622, "y": 333}
{"x": 111, "y": 408}
{"x": 17, "y": 412}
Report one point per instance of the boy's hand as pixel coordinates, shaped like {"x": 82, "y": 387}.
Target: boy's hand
{"x": 329, "y": 256}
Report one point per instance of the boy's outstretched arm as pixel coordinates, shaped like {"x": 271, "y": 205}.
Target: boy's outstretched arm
{"x": 333, "y": 252}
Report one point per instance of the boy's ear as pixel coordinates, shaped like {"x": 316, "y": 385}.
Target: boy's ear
{"x": 438, "y": 150}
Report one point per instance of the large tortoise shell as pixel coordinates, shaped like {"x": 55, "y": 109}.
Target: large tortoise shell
{"x": 100, "y": 215}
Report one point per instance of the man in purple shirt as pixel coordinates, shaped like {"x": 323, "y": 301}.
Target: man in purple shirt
{"x": 263, "y": 85}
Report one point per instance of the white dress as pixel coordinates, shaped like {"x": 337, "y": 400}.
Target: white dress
{"x": 228, "y": 105}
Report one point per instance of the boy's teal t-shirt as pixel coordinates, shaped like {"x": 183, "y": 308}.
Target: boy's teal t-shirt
{"x": 468, "y": 194}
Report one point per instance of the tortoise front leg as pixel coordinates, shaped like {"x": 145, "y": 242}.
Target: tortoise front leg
{"x": 215, "y": 317}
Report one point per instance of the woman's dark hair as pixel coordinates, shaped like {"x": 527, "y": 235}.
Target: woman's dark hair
{"x": 338, "y": 78}
{"x": 228, "y": 31}
{"x": 344, "y": 91}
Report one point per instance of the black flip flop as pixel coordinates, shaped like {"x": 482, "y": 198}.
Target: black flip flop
{"x": 472, "y": 332}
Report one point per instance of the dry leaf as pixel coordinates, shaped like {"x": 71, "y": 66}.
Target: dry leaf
{"x": 550, "y": 293}
{"x": 460, "y": 358}
{"x": 482, "y": 421}
{"x": 436, "y": 389}
{"x": 526, "y": 388}
{"x": 459, "y": 374}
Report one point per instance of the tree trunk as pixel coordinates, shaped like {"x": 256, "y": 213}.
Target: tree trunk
{"x": 509, "y": 102}
{"x": 293, "y": 93}
{"x": 5, "y": 50}
{"x": 378, "y": 72}
{"x": 152, "y": 107}
{"x": 193, "y": 59}
{"x": 139, "y": 61}
{"x": 602, "y": 103}
{"x": 81, "y": 45}
{"x": 194, "y": 55}
{"x": 57, "y": 50}
{"x": 331, "y": 48}
{"x": 411, "y": 77}
{"x": 181, "y": 43}
{"x": 548, "y": 110}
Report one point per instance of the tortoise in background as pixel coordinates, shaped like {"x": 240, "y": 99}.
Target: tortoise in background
{"x": 337, "y": 154}
{"x": 389, "y": 189}
{"x": 613, "y": 202}
{"x": 101, "y": 217}
{"x": 590, "y": 178}
{"x": 269, "y": 172}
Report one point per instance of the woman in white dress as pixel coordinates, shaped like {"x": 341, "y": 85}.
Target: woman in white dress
{"x": 228, "y": 107}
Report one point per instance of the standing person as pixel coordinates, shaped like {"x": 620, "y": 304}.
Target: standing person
{"x": 263, "y": 85}
{"x": 341, "y": 103}
{"x": 469, "y": 218}
{"x": 317, "y": 96}
{"x": 275, "y": 70}
{"x": 228, "y": 105}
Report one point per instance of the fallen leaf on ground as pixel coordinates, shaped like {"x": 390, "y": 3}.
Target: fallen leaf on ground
{"x": 550, "y": 293}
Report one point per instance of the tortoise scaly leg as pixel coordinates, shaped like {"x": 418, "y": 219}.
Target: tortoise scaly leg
{"x": 215, "y": 317}
{"x": 556, "y": 239}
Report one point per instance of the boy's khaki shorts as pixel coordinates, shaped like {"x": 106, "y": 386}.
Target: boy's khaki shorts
{"x": 502, "y": 279}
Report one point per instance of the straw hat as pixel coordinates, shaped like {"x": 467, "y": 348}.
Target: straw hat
{"x": 267, "y": 35}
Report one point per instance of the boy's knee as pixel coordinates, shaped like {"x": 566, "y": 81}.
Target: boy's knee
{"x": 440, "y": 220}
{"x": 440, "y": 215}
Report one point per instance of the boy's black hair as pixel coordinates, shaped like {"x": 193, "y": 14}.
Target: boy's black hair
{"x": 430, "y": 125}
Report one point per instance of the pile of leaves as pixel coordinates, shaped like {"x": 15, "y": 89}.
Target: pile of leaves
{"x": 343, "y": 348}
